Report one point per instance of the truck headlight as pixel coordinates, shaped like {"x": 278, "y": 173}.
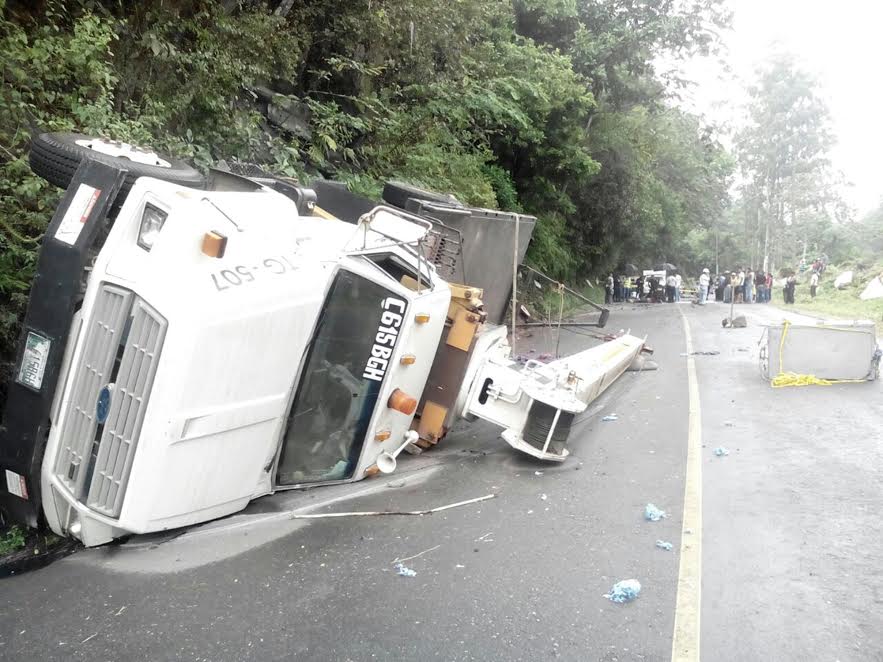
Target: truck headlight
{"x": 151, "y": 223}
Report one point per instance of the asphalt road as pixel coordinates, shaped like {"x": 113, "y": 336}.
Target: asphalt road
{"x": 790, "y": 558}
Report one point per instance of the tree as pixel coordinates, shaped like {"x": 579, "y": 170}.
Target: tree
{"x": 789, "y": 186}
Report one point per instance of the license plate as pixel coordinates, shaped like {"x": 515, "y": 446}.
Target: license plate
{"x": 33, "y": 363}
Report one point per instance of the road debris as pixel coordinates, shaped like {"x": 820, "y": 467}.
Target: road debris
{"x": 425, "y": 551}
{"x": 610, "y": 417}
{"x": 537, "y": 473}
{"x": 720, "y": 451}
{"x": 543, "y": 497}
{"x": 366, "y": 513}
{"x": 624, "y": 591}
{"x": 712, "y": 352}
{"x": 653, "y": 514}
{"x": 404, "y": 571}
{"x": 484, "y": 537}
{"x": 667, "y": 546}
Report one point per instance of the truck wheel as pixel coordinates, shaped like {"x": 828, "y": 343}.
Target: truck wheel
{"x": 56, "y": 156}
{"x": 398, "y": 193}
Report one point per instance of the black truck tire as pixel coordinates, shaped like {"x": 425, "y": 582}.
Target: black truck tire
{"x": 398, "y": 193}
{"x": 56, "y": 156}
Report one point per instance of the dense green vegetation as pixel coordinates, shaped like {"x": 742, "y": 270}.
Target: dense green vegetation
{"x": 553, "y": 108}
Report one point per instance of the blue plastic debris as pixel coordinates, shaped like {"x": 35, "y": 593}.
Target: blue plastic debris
{"x": 720, "y": 451}
{"x": 624, "y": 591}
{"x": 404, "y": 571}
{"x": 661, "y": 544}
{"x": 610, "y": 417}
{"x": 653, "y": 514}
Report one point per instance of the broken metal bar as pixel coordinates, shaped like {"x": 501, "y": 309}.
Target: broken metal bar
{"x": 579, "y": 296}
{"x": 366, "y": 513}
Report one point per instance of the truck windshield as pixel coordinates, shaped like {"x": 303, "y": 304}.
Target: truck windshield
{"x": 341, "y": 381}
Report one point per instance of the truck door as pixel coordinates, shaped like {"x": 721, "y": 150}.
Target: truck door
{"x": 340, "y": 382}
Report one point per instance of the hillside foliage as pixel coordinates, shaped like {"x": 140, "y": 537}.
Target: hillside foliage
{"x": 548, "y": 107}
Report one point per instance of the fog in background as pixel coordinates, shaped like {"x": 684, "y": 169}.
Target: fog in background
{"x": 840, "y": 43}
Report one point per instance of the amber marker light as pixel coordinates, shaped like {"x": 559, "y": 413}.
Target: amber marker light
{"x": 408, "y": 359}
{"x": 214, "y": 244}
{"x": 421, "y": 318}
{"x": 383, "y": 435}
{"x": 401, "y": 401}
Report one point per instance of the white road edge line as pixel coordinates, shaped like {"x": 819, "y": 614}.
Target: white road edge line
{"x": 688, "y": 604}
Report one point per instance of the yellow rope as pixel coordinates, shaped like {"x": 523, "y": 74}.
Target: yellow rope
{"x": 792, "y": 378}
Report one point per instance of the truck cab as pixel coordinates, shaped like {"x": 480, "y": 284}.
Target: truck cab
{"x": 229, "y": 346}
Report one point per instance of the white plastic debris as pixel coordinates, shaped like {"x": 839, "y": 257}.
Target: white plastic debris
{"x": 843, "y": 280}
{"x": 720, "y": 451}
{"x": 543, "y": 497}
{"x": 537, "y": 473}
{"x": 873, "y": 290}
{"x": 624, "y": 591}
{"x": 653, "y": 514}
{"x": 610, "y": 417}
{"x": 667, "y": 546}
{"x": 403, "y": 571}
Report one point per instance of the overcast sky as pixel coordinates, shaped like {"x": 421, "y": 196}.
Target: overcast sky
{"x": 841, "y": 42}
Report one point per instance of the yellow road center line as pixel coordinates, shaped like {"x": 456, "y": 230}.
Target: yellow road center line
{"x": 685, "y": 641}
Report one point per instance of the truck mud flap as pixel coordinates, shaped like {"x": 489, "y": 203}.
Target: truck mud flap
{"x": 55, "y": 296}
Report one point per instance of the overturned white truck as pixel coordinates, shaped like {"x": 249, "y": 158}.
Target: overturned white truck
{"x": 190, "y": 347}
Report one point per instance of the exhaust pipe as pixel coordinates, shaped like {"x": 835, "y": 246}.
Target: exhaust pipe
{"x": 386, "y": 461}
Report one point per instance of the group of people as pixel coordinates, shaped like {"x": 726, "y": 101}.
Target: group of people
{"x": 748, "y": 286}
{"x": 620, "y": 288}
{"x": 650, "y": 288}
{"x": 743, "y": 286}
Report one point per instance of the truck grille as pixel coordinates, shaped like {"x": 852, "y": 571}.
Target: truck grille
{"x": 122, "y": 345}
{"x": 102, "y": 336}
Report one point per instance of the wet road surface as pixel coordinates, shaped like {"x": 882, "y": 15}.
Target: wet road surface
{"x": 790, "y": 540}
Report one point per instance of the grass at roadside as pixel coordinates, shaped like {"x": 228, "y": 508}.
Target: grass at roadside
{"x": 831, "y": 302}
{"x": 11, "y": 540}
{"x": 543, "y": 300}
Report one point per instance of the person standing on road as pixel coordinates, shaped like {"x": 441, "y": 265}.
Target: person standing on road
{"x": 813, "y": 284}
{"x": 760, "y": 286}
{"x": 790, "y": 284}
{"x": 608, "y": 289}
{"x": 670, "y": 288}
{"x": 739, "y": 289}
{"x": 678, "y": 282}
{"x": 749, "y": 286}
{"x": 703, "y": 287}
{"x": 769, "y": 287}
